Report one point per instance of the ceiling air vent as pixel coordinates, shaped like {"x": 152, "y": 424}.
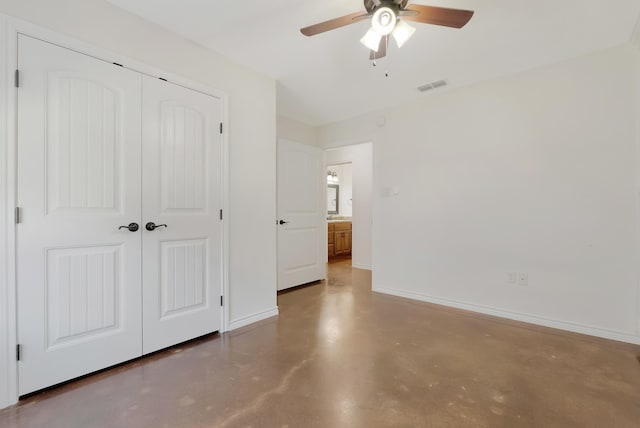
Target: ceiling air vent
{"x": 433, "y": 85}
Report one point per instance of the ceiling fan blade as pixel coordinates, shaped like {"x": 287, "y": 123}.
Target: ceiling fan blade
{"x": 456, "y": 18}
{"x": 362, "y": 17}
{"x": 331, "y": 24}
{"x": 382, "y": 49}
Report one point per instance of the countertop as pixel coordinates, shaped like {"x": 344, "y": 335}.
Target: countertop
{"x": 341, "y": 220}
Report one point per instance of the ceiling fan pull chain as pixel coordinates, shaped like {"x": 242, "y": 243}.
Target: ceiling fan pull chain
{"x": 386, "y": 42}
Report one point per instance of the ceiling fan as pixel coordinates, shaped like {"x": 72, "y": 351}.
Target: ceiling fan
{"x": 388, "y": 18}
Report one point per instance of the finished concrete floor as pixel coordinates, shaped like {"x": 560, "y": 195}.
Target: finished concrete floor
{"x": 341, "y": 356}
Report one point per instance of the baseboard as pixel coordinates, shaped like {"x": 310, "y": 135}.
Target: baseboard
{"x": 531, "y": 319}
{"x": 244, "y": 321}
{"x": 359, "y": 266}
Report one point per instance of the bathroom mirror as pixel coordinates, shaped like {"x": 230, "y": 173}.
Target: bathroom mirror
{"x": 333, "y": 198}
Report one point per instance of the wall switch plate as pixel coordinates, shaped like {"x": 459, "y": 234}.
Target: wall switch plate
{"x": 523, "y": 279}
{"x": 512, "y": 278}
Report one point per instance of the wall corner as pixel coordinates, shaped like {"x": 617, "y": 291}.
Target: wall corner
{"x": 635, "y": 36}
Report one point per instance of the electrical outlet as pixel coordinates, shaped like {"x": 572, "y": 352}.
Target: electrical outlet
{"x": 523, "y": 279}
{"x": 512, "y": 278}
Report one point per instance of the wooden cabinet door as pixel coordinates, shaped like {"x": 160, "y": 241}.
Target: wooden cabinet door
{"x": 340, "y": 243}
{"x": 347, "y": 243}
{"x": 342, "y": 238}
{"x": 330, "y": 242}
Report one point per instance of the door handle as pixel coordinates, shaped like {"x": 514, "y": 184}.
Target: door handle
{"x": 283, "y": 222}
{"x": 133, "y": 227}
{"x": 151, "y": 226}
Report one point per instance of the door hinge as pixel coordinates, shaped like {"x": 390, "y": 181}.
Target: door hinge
{"x": 18, "y": 352}
{"x": 18, "y": 216}
{"x": 221, "y": 127}
{"x": 220, "y": 214}
{"x": 221, "y": 300}
{"x": 17, "y": 78}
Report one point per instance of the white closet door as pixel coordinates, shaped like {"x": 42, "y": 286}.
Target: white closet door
{"x": 79, "y": 275}
{"x": 182, "y": 190}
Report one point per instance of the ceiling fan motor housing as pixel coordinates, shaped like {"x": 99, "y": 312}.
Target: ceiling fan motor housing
{"x": 371, "y": 5}
{"x": 384, "y": 20}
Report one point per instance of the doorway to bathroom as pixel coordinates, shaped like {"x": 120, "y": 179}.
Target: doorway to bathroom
{"x": 339, "y": 211}
{"x": 349, "y": 179}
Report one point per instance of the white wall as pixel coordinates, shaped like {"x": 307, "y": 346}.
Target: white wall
{"x": 6, "y": 392}
{"x": 293, "y": 130}
{"x": 346, "y": 190}
{"x": 636, "y": 43}
{"x": 360, "y": 156}
{"x": 345, "y": 181}
{"x": 251, "y": 135}
{"x": 533, "y": 173}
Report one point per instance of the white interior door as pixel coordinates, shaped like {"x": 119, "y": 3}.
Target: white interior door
{"x": 182, "y": 273}
{"x": 79, "y": 279}
{"x": 302, "y": 215}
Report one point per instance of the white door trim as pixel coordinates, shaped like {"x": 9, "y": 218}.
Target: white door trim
{"x": 10, "y": 27}
{"x": 8, "y": 325}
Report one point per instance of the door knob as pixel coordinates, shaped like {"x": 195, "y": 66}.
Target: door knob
{"x": 151, "y": 226}
{"x": 283, "y": 222}
{"x": 133, "y": 227}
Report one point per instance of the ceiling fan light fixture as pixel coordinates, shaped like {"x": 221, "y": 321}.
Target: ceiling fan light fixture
{"x": 371, "y": 40}
{"x": 402, "y": 33}
{"x": 384, "y": 20}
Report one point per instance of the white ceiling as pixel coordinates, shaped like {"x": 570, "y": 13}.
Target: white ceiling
{"x": 328, "y": 77}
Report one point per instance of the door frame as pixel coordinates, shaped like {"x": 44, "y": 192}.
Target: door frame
{"x": 342, "y": 159}
{"x": 10, "y": 28}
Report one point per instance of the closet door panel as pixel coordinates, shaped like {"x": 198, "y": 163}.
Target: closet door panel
{"x": 182, "y": 197}
{"x": 79, "y": 156}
